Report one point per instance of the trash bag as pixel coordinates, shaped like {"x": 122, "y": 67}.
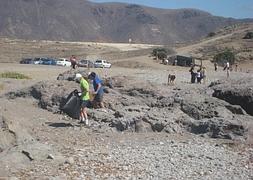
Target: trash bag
{"x": 73, "y": 105}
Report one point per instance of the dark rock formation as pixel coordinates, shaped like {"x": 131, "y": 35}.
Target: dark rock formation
{"x": 237, "y": 92}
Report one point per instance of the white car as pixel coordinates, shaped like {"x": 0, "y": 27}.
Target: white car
{"x": 63, "y": 62}
{"x": 102, "y": 64}
{"x": 38, "y": 60}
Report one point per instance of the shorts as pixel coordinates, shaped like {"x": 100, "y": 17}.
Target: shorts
{"x": 99, "y": 97}
{"x": 73, "y": 64}
{"x": 85, "y": 103}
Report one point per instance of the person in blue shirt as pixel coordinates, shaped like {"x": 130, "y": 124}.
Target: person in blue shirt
{"x": 98, "y": 89}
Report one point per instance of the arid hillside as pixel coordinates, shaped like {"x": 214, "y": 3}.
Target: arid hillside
{"x": 81, "y": 20}
{"x": 13, "y": 50}
{"x": 231, "y": 37}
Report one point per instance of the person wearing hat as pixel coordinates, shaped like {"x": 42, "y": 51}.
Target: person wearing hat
{"x": 85, "y": 98}
{"x": 98, "y": 89}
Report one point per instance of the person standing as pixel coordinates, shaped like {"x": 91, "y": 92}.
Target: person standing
{"x": 215, "y": 66}
{"x": 199, "y": 76}
{"x": 236, "y": 67}
{"x": 85, "y": 98}
{"x": 228, "y": 65}
{"x": 193, "y": 74}
{"x": 204, "y": 74}
{"x": 227, "y": 68}
{"x": 73, "y": 61}
{"x": 98, "y": 89}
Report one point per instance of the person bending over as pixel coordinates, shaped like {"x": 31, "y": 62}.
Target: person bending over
{"x": 98, "y": 90}
{"x": 85, "y": 98}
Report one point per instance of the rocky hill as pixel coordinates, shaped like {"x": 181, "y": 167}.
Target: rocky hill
{"x": 81, "y": 20}
{"x": 230, "y": 37}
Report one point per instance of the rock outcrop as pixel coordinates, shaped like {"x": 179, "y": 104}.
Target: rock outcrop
{"x": 147, "y": 108}
{"x": 237, "y": 92}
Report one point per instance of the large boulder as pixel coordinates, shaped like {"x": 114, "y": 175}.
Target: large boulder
{"x": 51, "y": 95}
{"x": 222, "y": 128}
{"x": 236, "y": 92}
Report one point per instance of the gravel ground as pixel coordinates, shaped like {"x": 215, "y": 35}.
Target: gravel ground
{"x": 149, "y": 156}
{"x": 91, "y": 154}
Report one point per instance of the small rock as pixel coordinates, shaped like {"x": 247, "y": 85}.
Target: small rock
{"x": 50, "y": 156}
{"x": 70, "y": 160}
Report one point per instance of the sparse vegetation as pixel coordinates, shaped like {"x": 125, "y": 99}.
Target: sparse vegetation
{"x": 225, "y": 56}
{"x": 160, "y": 53}
{"x": 249, "y": 35}
{"x": 13, "y": 75}
{"x": 1, "y": 87}
{"x": 211, "y": 34}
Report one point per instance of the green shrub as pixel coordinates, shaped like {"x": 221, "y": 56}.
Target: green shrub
{"x": 211, "y": 34}
{"x": 249, "y": 35}
{"x": 225, "y": 56}
{"x": 13, "y": 75}
{"x": 160, "y": 53}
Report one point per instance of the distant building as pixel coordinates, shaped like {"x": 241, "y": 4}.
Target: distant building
{"x": 181, "y": 60}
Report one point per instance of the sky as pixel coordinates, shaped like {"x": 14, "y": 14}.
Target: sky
{"x": 225, "y": 8}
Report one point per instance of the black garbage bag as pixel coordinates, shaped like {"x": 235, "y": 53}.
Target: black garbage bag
{"x": 73, "y": 105}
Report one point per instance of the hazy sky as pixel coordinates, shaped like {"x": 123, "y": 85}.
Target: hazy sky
{"x": 226, "y": 8}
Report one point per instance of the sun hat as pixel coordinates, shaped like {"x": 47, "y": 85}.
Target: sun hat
{"x": 78, "y": 76}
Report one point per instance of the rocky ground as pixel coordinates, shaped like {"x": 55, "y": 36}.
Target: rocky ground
{"x": 149, "y": 131}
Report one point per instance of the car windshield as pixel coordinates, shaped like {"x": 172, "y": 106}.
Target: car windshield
{"x": 98, "y": 61}
{"x": 83, "y": 61}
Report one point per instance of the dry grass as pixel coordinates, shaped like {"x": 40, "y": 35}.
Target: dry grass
{"x": 1, "y": 87}
{"x": 13, "y": 75}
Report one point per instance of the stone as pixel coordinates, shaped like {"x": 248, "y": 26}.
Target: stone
{"x": 70, "y": 160}
{"x": 50, "y": 156}
{"x": 236, "y": 92}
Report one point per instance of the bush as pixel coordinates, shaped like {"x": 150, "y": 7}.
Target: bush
{"x": 13, "y": 75}
{"x": 249, "y": 35}
{"x": 225, "y": 56}
{"x": 160, "y": 53}
{"x": 211, "y": 34}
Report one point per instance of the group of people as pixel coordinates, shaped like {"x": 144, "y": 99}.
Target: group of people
{"x": 198, "y": 75}
{"x": 227, "y": 67}
{"x": 85, "y": 94}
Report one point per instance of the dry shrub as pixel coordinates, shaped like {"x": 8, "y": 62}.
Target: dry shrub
{"x": 13, "y": 75}
{"x": 1, "y": 87}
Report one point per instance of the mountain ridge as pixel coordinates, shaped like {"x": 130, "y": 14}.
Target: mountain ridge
{"x": 81, "y": 20}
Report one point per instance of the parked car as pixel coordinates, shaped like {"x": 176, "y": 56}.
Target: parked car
{"x": 63, "y": 62}
{"x": 102, "y": 64}
{"x": 48, "y": 61}
{"x": 85, "y": 63}
{"x": 38, "y": 60}
{"x": 26, "y": 61}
